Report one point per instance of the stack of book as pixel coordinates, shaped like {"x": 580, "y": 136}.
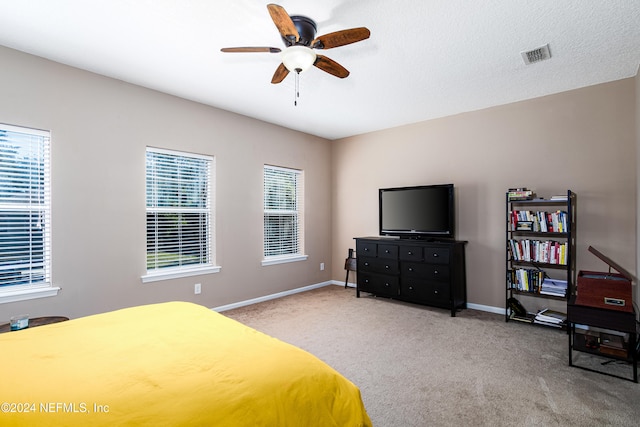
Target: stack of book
{"x": 555, "y": 287}
{"x": 527, "y": 318}
{"x": 550, "y": 318}
{"x": 520, "y": 194}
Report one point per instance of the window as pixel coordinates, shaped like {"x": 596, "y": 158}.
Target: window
{"x": 283, "y": 231}
{"x": 25, "y": 214}
{"x": 179, "y": 219}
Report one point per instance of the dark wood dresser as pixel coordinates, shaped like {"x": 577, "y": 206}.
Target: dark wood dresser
{"x": 418, "y": 271}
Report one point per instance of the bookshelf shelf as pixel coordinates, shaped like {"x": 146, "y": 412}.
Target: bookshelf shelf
{"x": 540, "y": 249}
{"x": 552, "y": 297}
{"x": 539, "y": 234}
{"x": 542, "y": 265}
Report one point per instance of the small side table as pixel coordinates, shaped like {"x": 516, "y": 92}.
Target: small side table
{"x": 605, "y": 319}
{"x": 36, "y": 321}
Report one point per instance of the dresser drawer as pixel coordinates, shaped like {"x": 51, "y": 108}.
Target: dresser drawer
{"x": 378, "y": 265}
{"x": 379, "y": 284}
{"x": 366, "y": 249}
{"x": 436, "y": 255}
{"x": 388, "y": 251}
{"x": 410, "y": 253}
{"x": 425, "y": 271}
{"x": 436, "y": 293}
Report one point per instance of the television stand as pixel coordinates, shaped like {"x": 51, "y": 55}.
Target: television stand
{"x": 428, "y": 272}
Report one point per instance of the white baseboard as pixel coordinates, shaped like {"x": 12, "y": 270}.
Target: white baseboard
{"x": 339, "y": 283}
{"x": 488, "y": 308}
{"x": 270, "y": 297}
{"x": 480, "y": 307}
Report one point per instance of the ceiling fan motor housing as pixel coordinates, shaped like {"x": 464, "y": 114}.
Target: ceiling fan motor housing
{"x": 306, "y": 29}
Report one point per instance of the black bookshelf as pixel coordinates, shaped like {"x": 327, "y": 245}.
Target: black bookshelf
{"x": 540, "y": 249}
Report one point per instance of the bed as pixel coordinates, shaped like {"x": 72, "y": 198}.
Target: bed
{"x": 168, "y": 364}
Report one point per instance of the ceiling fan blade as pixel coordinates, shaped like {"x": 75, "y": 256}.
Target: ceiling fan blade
{"x": 283, "y": 22}
{"x": 250, "y": 49}
{"x": 280, "y": 74}
{"x": 330, "y": 66}
{"x": 341, "y": 38}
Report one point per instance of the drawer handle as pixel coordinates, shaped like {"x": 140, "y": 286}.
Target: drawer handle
{"x": 409, "y": 253}
{"x": 386, "y": 267}
{"x": 366, "y": 249}
{"x": 366, "y": 264}
{"x": 435, "y": 255}
{"x": 410, "y": 268}
{"x": 410, "y": 288}
{"x": 387, "y": 251}
{"x": 366, "y": 280}
{"x": 435, "y": 292}
{"x": 435, "y": 272}
{"x": 386, "y": 284}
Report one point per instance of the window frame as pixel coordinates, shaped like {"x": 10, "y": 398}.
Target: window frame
{"x": 44, "y": 288}
{"x": 298, "y": 212}
{"x": 173, "y": 272}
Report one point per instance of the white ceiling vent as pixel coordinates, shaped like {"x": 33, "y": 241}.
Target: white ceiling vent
{"x": 536, "y": 55}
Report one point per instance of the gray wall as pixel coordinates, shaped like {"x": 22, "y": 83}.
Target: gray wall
{"x": 100, "y": 128}
{"x": 584, "y": 140}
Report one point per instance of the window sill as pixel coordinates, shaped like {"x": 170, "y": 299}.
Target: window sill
{"x": 284, "y": 259}
{"x": 23, "y": 293}
{"x": 178, "y": 273}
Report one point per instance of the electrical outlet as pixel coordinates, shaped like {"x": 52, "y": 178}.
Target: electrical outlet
{"x": 197, "y": 288}
{"x": 322, "y": 266}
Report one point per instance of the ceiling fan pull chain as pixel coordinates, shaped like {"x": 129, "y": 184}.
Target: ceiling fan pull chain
{"x": 297, "y": 89}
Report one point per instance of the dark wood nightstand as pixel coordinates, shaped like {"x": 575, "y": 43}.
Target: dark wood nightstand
{"x": 36, "y": 321}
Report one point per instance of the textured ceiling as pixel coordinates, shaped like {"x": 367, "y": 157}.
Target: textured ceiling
{"x": 425, "y": 58}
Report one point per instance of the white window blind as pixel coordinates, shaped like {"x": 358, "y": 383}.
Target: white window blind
{"x": 178, "y": 210}
{"x": 25, "y": 208}
{"x": 283, "y": 209}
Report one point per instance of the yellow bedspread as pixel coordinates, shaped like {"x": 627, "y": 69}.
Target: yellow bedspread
{"x": 170, "y": 364}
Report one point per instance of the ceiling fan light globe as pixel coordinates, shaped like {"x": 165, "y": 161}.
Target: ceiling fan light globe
{"x": 298, "y": 58}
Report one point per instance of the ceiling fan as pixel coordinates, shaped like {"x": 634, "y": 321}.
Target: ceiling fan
{"x": 299, "y": 36}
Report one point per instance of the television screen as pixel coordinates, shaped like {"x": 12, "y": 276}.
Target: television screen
{"x": 423, "y": 211}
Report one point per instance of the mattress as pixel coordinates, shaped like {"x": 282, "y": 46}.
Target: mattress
{"x": 168, "y": 364}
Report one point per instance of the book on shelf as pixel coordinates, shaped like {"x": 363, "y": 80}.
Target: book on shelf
{"x": 559, "y": 197}
{"x": 515, "y": 194}
{"x": 536, "y": 281}
{"x": 541, "y": 221}
{"x": 550, "y": 317}
{"x": 554, "y": 287}
{"x": 528, "y": 318}
{"x": 525, "y": 280}
{"x": 551, "y": 324}
{"x": 540, "y": 251}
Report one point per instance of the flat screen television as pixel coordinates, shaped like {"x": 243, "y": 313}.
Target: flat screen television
{"x": 420, "y": 212}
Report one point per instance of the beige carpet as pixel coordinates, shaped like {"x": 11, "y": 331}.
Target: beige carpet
{"x": 417, "y": 366}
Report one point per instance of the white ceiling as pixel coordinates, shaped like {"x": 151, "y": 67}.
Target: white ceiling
{"x": 425, "y": 58}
